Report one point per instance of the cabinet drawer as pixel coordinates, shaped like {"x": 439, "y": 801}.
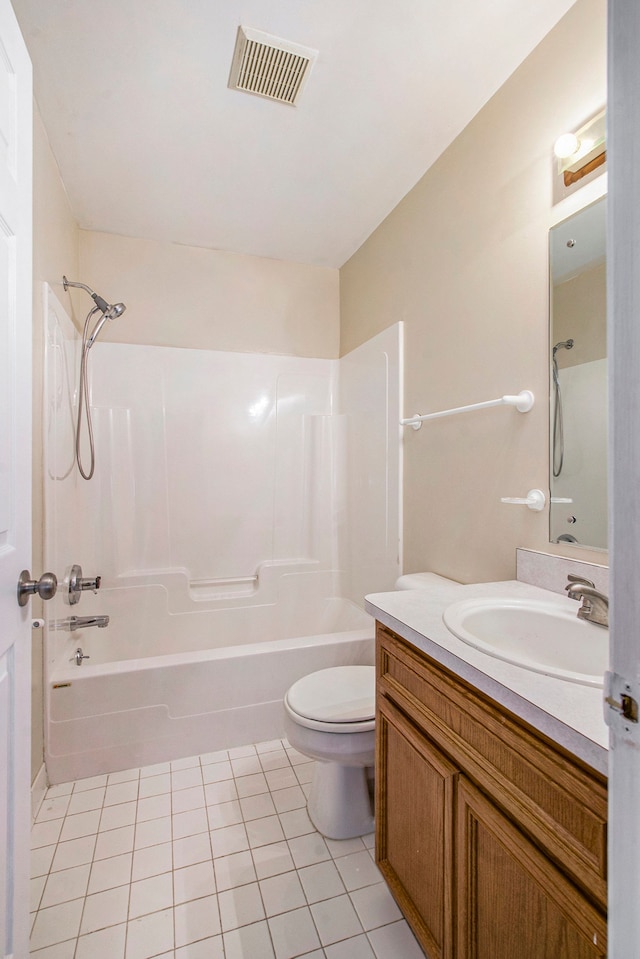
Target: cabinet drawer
{"x": 555, "y": 799}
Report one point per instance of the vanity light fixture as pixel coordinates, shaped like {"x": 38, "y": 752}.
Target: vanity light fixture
{"x": 583, "y": 151}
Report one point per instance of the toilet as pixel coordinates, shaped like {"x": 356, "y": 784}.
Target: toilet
{"x": 330, "y": 717}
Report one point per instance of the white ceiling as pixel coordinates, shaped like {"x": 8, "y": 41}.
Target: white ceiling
{"x": 151, "y": 143}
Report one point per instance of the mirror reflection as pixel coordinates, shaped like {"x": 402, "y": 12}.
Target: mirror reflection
{"x": 578, "y": 359}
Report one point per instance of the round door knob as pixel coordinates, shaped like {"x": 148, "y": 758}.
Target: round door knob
{"x": 45, "y": 587}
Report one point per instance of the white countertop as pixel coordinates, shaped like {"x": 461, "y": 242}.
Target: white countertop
{"x": 569, "y": 713}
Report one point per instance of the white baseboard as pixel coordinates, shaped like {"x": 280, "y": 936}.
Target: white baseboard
{"x": 38, "y": 790}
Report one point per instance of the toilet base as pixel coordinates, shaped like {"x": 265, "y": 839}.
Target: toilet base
{"x": 339, "y": 805}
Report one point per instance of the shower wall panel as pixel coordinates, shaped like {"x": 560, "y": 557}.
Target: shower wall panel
{"x": 202, "y": 458}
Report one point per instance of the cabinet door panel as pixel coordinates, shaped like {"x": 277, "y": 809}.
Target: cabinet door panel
{"x": 414, "y": 815}
{"x": 511, "y": 900}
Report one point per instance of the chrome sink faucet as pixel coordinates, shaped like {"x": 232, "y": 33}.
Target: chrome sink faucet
{"x": 595, "y": 605}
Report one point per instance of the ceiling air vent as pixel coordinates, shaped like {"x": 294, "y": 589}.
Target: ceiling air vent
{"x": 269, "y": 67}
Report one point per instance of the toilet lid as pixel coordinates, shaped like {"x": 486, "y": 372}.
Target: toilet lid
{"x": 342, "y": 694}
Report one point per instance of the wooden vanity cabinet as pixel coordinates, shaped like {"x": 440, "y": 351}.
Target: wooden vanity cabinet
{"x": 491, "y": 837}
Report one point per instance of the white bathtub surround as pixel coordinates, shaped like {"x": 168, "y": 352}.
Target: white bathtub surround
{"x": 551, "y": 572}
{"x": 233, "y": 499}
{"x": 209, "y": 856}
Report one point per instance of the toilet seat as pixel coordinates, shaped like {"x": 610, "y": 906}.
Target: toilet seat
{"x": 339, "y": 699}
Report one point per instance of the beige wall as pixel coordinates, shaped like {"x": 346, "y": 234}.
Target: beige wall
{"x": 579, "y": 311}
{"x": 205, "y": 299}
{"x": 463, "y": 261}
{"x": 55, "y": 251}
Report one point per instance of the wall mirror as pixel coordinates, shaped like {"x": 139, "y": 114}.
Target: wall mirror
{"x": 578, "y": 361}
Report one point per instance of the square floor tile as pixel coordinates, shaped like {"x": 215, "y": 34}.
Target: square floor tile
{"x": 82, "y": 824}
{"x": 36, "y": 888}
{"x": 395, "y": 941}
{"x": 251, "y": 785}
{"x": 211, "y": 948}
{"x": 84, "y": 801}
{"x": 276, "y": 759}
{"x": 263, "y": 832}
{"x": 240, "y": 906}
{"x": 235, "y": 870}
{"x": 154, "y": 786}
{"x": 65, "y": 885}
{"x": 249, "y": 942}
{"x": 269, "y": 746}
{"x": 46, "y": 833}
{"x": 151, "y": 895}
{"x": 335, "y": 919}
{"x": 104, "y": 944}
{"x": 358, "y": 870}
{"x": 152, "y": 861}
{"x": 287, "y": 799}
{"x": 153, "y": 832}
{"x": 189, "y": 762}
{"x": 150, "y": 935}
{"x": 102, "y": 909}
{"x": 272, "y": 860}
{"x": 75, "y": 852}
{"x": 296, "y": 822}
{"x": 225, "y": 814}
{"x": 113, "y": 817}
{"x": 189, "y": 823}
{"x": 246, "y": 765}
{"x": 56, "y": 924}
{"x": 344, "y": 847}
{"x": 64, "y": 950}
{"x": 185, "y": 778}
{"x": 281, "y": 778}
{"x": 92, "y": 782}
{"x": 228, "y": 840}
{"x": 321, "y": 881}
{"x": 257, "y": 807}
{"x": 282, "y": 893}
{"x": 109, "y": 873}
{"x": 293, "y": 933}
{"x": 220, "y": 756}
{"x": 198, "y": 919}
{"x": 239, "y": 751}
{"x": 156, "y": 769}
{"x": 217, "y": 772}
{"x": 307, "y": 850}
{"x": 154, "y": 807}
{"x": 193, "y": 882}
{"x": 375, "y": 906}
{"x": 123, "y": 776}
{"x": 115, "y": 842}
{"x": 53, "y": 808}
{"x": 183, "y": 800}
{"x": 121, "y": 792}
{"x": 220, "y": 792}
{"x": 41, "y": 860}
{"x": 304, "y": 772}
{"x": 354, "y": 948}
{"x": 191, "y": 849}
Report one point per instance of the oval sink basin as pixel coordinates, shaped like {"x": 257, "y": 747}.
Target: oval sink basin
{"x": 537, "y": 635}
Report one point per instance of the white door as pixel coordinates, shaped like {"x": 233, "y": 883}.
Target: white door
{"x": 623, "y": 281}
{"x": 15, "y": 481}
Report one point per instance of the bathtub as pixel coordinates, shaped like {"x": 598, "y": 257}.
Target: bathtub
{"x": 162, "y": 685}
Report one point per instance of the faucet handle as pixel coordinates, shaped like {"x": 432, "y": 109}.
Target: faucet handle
{"x": 577, "y": 579}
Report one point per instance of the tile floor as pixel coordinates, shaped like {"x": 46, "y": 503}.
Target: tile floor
{"x": 212, "y": 857}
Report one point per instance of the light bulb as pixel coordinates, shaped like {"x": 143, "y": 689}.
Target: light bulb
{"x": 566, "y": 145}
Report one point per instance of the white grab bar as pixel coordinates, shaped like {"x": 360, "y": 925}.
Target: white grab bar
{"x": 523, "y": 402}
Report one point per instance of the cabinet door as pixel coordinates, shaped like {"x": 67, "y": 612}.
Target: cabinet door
{"x": 511, "y": 901}
{"x": 414, "y": 827}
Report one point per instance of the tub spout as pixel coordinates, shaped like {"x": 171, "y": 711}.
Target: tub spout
{"x": 82, "y": 622}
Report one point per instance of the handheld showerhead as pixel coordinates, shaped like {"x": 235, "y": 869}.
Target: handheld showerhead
{"x": 110, "y": 311}
{"x": 563, "y": 345}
